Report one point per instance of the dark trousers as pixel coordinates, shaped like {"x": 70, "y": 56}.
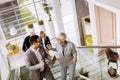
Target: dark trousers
{"x": 47, "y": 75}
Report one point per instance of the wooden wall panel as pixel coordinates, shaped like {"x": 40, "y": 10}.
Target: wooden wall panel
{"x": 106, "y": 26}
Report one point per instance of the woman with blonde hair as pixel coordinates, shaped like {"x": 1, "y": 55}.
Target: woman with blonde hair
{"x": 44, "y": 40}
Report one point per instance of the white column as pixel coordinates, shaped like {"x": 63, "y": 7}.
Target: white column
{"x": 4, "y": 64}
{"x": 93, "y": 27}
{"x": 117, "y": 34}
{"x": 58, "y": 16}
{"x": 93, "y": 23}
{"x": 51, "y": 29}
{"x": 76, "y": 22}
{"x": 118, "y": 29}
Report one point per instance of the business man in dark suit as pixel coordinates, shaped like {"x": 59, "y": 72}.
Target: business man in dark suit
{"x": 26, "y": 43}
{"x": 35, "y": 60}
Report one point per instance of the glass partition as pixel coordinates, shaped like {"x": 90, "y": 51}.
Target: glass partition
{"x": 91, "y": 65}
{"x": 94, "y": 64}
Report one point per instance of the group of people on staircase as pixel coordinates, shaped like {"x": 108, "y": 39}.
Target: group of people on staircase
{"x": 36, "y": 50}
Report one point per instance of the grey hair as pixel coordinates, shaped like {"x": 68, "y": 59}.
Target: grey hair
{"x": 62, "y": 36}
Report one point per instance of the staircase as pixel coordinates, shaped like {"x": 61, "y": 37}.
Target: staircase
{"x": 23, "y": 73}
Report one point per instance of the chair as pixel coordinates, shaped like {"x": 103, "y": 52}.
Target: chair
{"x": 112, "y": 56}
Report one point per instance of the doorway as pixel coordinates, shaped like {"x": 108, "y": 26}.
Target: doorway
{"x": 87, "y": 31}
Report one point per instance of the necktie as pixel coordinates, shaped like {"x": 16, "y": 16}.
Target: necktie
{"x": 63, "y": 52}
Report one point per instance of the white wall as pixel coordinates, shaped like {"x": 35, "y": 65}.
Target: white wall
{"x": 75, "y": 23}
{"x": 118, "y": 29}
{"x": 88, "y": 28}
{"x": 4, "y": 68}
{"x": 0, "y": 74}
{"x": 93, "y": 23}
{"x": 93, "y": 28}
{"x": 111, "y": 5}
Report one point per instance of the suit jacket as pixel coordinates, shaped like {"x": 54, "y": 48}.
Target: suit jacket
{"x": 26, "y": 43}
{"x": 47, "y": 41}
{"x": 32, "y": 63}
{"x": 69, "y": 53}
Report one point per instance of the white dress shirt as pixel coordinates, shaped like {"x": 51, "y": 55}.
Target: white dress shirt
{"x": 39, "y": 57}
{"x": 43, "y": 41}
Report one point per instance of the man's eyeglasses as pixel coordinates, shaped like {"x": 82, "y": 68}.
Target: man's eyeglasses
{"x": 38, "y": 41}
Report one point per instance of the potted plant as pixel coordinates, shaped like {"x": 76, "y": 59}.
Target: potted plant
{"x": 30, "y": 25}
{"x": 47, "y": 10}
{"x": 41, "y": 22}
{"x": 41, "y": 26}
{"x": 50, "y": 22}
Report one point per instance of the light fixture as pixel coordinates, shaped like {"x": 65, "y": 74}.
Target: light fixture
{"x": 13, "y": 48}
{"x": 13, "y": 31}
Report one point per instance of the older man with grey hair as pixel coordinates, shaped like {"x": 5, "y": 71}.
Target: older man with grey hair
{"x": 67, "y": 56}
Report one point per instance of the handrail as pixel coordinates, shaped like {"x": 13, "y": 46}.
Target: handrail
{"x": 117, "y": 46}
{"x": 95, "y": 46}
{"x": 84, "y": 77}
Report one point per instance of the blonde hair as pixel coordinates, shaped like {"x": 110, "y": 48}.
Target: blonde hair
{"x": 42, "y": 32}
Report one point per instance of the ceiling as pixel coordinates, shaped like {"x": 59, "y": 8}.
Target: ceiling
{"x": 112, "y": 3}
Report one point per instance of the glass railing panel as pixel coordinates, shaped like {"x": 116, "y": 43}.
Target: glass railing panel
{"x": 91, "y": 65}
{"x": 94, "y": 64}
{"x": 88, "y": 66}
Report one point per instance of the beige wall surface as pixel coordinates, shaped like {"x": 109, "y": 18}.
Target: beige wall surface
{"x": 106, "y": 27}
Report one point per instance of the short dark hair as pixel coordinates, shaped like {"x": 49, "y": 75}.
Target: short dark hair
{"x": 33, "y": 39}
